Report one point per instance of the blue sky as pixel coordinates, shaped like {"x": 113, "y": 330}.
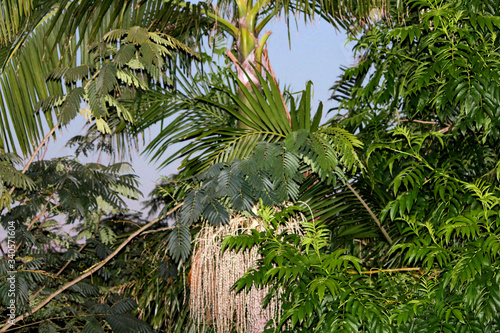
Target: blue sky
{"x": 317, "y": 52}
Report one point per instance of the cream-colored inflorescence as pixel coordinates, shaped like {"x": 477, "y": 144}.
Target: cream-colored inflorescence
{"x": 213, "y": 273}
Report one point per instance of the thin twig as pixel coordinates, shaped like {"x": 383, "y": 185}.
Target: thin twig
{"x": 125, "y": 221}
{"x": 39, "y": 216}
{"x": 43, "y": 212}
{"x": 446, "y": 129}
{"x": 47, "y": 137}
{"x": 41, "y": 321}
{"x": 67, "y": 262}
{"x": 58, "y": 273}
{"x": 443, "y": 130}
{"x": 420, "y": 121}
{"x": 376, "y": 271}
{"x": 158, "y": 230}
{"x": 86, "y": 273}
{"x": 44, "y": 152}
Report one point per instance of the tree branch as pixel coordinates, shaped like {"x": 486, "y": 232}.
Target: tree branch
{"x": 446, "y": 129}
{"x": 392, "y": 270}
{"x": 157, "y": 230}
{"x": 39, "y": 216}
{"x": 443, "y": 130}
{"x": 46, "y": 319}
{"x": 86, "y": 274}
{"x": 43, "y": 212}
{"x": 420, "y": 121}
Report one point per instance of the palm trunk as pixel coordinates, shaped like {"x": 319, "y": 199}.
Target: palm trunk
{"x": 248, "y": 45}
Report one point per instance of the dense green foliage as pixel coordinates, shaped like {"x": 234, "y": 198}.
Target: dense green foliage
{"x": 47, "y": 256}
{"x": 397, "y": 187}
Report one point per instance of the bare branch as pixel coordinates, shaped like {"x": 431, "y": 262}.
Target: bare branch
{"x": 157, "y": 230}
{"x": 446, "y": 129}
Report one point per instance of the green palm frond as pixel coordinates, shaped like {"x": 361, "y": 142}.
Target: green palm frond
{"x": 274, "y": 174}
{"x": 208, "y": 114}
{"x": 19, "y": 18}
{"x": 348, "y": 15}
{"x": 59, "y": 31}
{"x": 163, "y": 16}
{"x": 23, "y": 85}
{"x": 15, "y": 12}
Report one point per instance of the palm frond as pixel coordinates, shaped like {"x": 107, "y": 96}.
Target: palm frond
{"x": 56, "y": 32}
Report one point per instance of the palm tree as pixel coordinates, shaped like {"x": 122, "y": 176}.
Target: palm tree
{"x": 245, "y": 21}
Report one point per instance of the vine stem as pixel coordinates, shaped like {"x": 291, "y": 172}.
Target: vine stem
{"x": 86, "y": 274}
{"x": 374, "y": 217}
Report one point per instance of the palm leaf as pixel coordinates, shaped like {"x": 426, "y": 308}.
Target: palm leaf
{"x": 207, "y": 115}
{"x": 43, "y": 29}
{"x": 23, "y": 85}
